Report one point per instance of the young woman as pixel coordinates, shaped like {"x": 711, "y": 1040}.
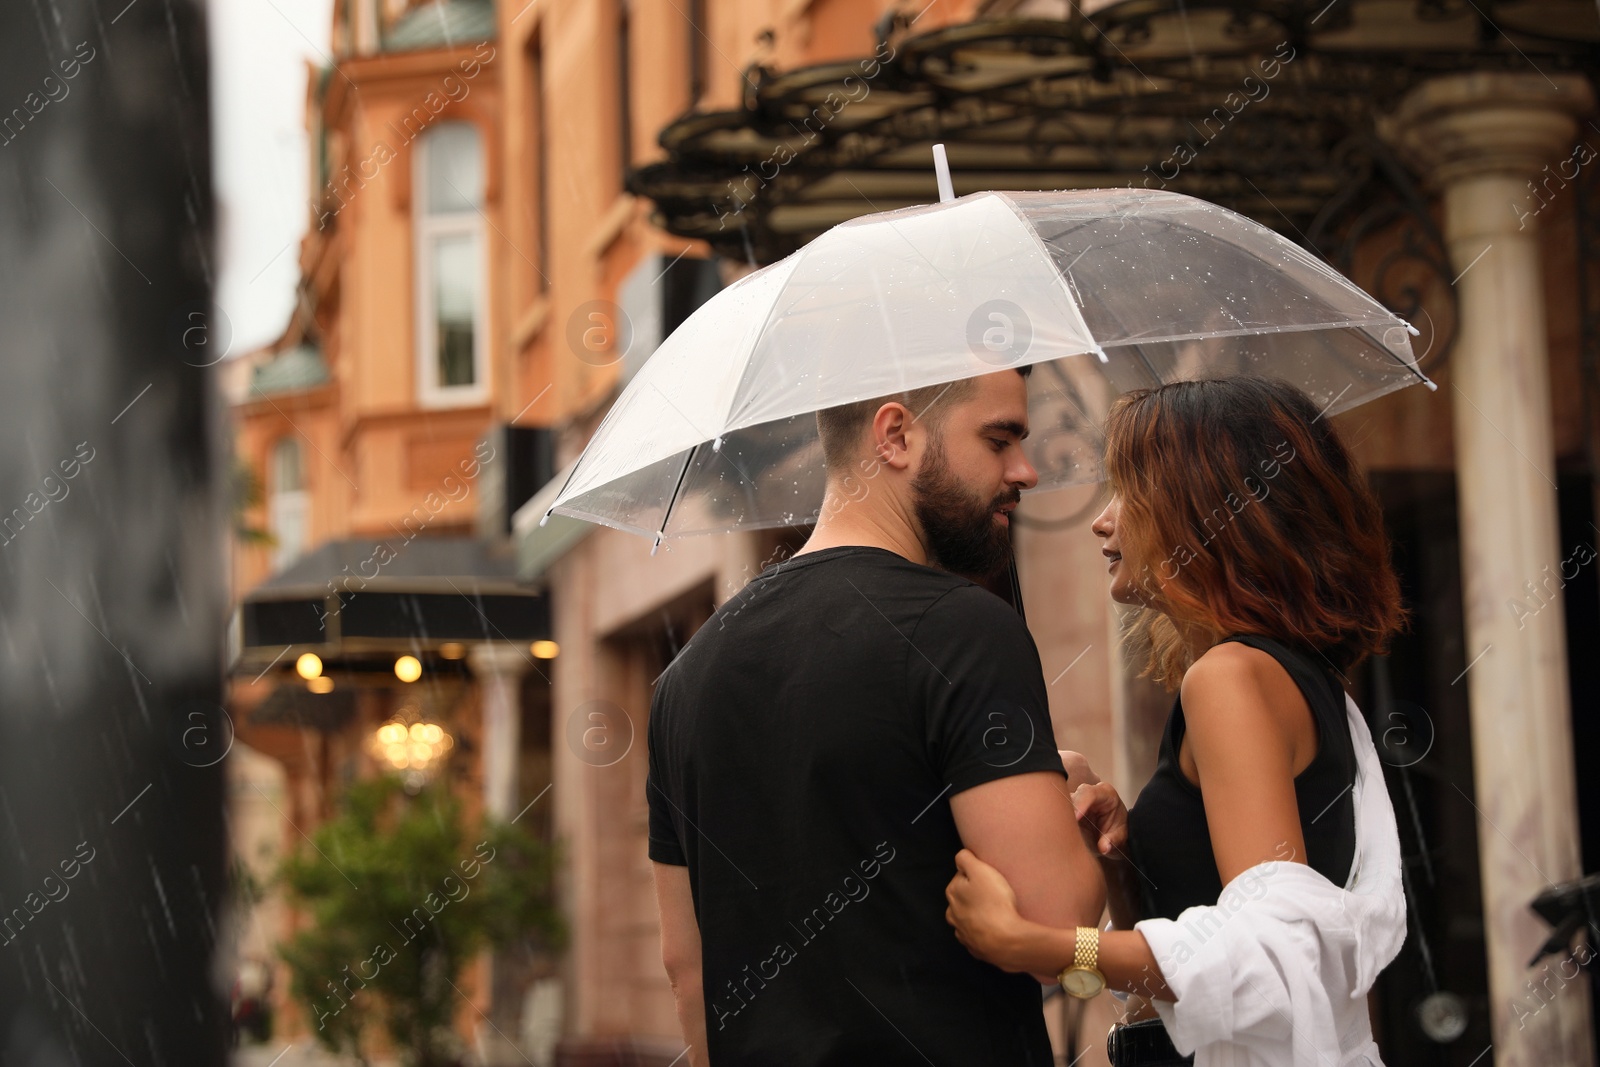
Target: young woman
{"x": 1255, "y": 554}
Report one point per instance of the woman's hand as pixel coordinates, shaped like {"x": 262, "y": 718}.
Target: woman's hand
{"x": 1077, "y": 767}
{"x": 1101, "y": 814}
{"x": 1103, "y": 819}
{"x": 983, "y": 910}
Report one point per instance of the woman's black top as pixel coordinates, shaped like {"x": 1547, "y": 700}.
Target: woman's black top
{"x": 1167, "y": 832}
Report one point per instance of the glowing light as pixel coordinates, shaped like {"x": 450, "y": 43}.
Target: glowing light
{"x": 408, "y": 668}
{"x": 545, "y": 649}
{"x": 320, "y": 684}
{"x": 410, "y": 746}
{"x": 308, "y": 666}
{"x": 452, "y": 650}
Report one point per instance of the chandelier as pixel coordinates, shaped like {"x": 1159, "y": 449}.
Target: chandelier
{"x": 412, "y": 747}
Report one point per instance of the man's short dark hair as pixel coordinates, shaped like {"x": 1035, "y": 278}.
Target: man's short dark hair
{"x": 840, "y": 427}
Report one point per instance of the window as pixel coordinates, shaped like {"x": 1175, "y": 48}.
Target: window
{"x": 624, "y": 84}
{"x": 288, "y": 504}
{"x": 451, "y": 342}
{"x": 697, "y": 51}
{"x": 540, "y": 142}
{"x": 657, "y": 296}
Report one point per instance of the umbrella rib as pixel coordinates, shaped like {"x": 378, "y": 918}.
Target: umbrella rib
{"x": 755, "y": 341}
{"x": 564, "y": 485}
{"x": 573, "y": 473}
{"x": 883, "y": 316}
{"x": 1155, "y": 375}
{"x": 1265, "y": 329}
{"x": 1067, "y": 392}
{"x": 662, "y": 532}
{"x": 1061, "y": 277}
{"x": 902, "y": 236}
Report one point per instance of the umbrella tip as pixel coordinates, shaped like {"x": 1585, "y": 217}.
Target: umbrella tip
{"x": 656, "y": 545}
{"x": 546, "y": 517}
{"x": 1100, "y": 354}
{"x": 941, "y": 170}
{"x": 716, "y": 446}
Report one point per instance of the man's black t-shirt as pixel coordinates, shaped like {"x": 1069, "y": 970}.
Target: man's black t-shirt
{"x": 803, "y": 748}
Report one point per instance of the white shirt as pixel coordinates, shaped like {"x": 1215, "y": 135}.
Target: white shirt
{"x": 1276, "y": 973}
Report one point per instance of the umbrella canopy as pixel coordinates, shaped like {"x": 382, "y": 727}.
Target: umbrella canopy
{"x": 1105, "y": 289}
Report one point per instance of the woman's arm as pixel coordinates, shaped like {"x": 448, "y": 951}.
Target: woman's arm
{"x": 1103, "y": 821}
{"x": 983, "y": 911}
{"x": 1122, "y": 891}
{"x": 1250, "y": 732}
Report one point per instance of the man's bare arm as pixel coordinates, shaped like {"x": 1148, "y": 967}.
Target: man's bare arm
{"x": 680, "y": 954}
{"x": 1024, "y": 825}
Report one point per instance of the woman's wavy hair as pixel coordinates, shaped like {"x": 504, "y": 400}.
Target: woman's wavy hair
{"x": 1247, "y": 514}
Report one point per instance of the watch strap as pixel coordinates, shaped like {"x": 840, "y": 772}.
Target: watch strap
{"x": 1086, "y": 947}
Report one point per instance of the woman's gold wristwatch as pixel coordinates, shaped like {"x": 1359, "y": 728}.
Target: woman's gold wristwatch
{"x": 1082, "y": 978}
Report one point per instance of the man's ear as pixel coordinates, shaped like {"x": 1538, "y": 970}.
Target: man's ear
{"x": 890, "y": 426}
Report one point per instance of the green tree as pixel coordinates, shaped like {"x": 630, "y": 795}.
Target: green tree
{"x": 401, "y": 895}
{"x": 245, "y": 495}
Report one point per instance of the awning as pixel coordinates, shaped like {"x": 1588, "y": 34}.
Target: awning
{"x": 421, "y": 564}
{"x": 359, "y": 600}
{"x": 1267, "y": 107}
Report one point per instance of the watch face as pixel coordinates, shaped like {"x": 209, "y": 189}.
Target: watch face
{"x": 1082, "y": 982}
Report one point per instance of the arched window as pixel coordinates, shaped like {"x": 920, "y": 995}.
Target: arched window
{"x": 451, "y": 341}
{"x": 288, "y": 503}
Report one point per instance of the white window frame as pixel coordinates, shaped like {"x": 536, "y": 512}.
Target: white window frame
{"x": 288, "y": 509}
{"x": 426, "y": 228}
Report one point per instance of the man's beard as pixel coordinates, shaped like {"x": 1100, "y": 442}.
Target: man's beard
{"x": 962, "y": 534}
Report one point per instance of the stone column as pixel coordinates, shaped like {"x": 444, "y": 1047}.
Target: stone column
{"x": 499, "y": 668}
{"x": 1479, "y": 139}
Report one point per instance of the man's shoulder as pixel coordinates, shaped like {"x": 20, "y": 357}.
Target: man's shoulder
{"x": 973, "y": 627}
{"x": 886, "y": 578}
{"x": 806, "y": 590}
{"x": 969, "y": 605}
{"x": 921, "y": 594}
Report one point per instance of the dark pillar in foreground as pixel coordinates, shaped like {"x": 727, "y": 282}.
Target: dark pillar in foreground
{"x": 112, "y": 888}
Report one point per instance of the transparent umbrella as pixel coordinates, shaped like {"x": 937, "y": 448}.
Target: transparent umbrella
{"x": 1105, "y": 290}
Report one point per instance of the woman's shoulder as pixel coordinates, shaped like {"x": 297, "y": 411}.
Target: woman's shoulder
{"x": 1229, "y": 664}
{"x": 1235, "y": 685}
